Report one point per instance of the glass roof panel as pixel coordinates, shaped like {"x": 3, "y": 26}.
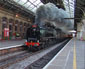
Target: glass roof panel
{"x": 36, "y": 2}
{"x": 40, "y": 4}
{"x": 16, "y": 0}
{"x": 34, "y": 9}
{"x": 29, "y": 4}
{"x": 30, "y": 7}
{"x": 32, "y": 1}
{"x": 69, "y": 5}
{"x": 21, "y": 2}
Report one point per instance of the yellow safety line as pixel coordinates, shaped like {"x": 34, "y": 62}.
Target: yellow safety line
{"x": 74, "y": 57}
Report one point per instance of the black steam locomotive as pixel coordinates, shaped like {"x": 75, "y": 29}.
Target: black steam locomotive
{"x": 40, "y": 37}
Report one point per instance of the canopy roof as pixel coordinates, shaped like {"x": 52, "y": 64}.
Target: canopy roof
{"x": 31, "y": 5}
{"x": 70, "y": 6}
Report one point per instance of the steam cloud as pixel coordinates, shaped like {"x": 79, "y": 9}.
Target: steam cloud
{"x": 55, "y": 16}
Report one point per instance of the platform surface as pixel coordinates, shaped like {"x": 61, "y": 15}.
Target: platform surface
{"x": 72, "y": 56}
{"x": 11, "y": 43}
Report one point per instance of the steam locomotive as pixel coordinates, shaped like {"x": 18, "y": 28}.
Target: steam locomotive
{"x": 40, "y": 37}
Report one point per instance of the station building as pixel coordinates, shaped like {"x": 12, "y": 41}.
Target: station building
{"x": 16, "y": 24}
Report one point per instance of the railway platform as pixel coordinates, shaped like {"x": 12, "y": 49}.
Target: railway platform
{"x": 11, "y": 43}
{"x": 8, "y": 46}
{"x": 72, "y": 56}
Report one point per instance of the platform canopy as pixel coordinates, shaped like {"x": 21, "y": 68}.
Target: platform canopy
{"x": 31, "y": 5}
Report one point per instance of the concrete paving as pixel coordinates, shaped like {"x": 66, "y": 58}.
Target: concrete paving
{"x": 9, "y": 43}
{"x": 72, "y": 56}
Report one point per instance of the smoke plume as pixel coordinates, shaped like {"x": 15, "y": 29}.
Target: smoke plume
{"x": 55, "y": 16}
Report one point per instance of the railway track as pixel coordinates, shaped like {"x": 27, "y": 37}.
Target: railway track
{"x": 4, "y": 63}
{"x": 40, "y": 63}
{"x": 25, "y": 55}
{"x": 14, "y": 59}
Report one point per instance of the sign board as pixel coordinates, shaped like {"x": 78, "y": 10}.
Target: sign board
{"x": 6, "y": 32}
